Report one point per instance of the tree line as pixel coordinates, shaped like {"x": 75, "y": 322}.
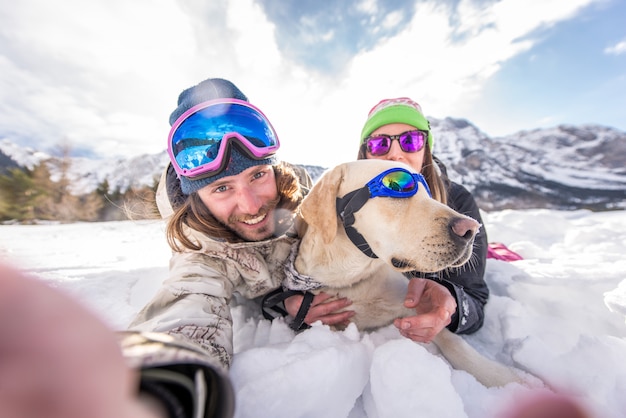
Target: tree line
{"x": 30, "y": 195}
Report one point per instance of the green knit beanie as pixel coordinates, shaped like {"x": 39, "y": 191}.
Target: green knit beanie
{"x": 399, "y": 110}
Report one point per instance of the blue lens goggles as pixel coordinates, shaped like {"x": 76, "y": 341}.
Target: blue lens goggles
{"x": 395, "y": 182}
{"x": 200, "y": 138}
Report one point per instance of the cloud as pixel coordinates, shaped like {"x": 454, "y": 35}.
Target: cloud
{"x": 617, "y": 49}
{"x": 435, "y": 59}
{"x": 324, "y": 36}
{"x": 105, "y": 74}
{"x": 88, "y": 72}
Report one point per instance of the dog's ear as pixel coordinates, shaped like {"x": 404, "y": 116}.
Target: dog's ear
{"x": 318, "y": 209}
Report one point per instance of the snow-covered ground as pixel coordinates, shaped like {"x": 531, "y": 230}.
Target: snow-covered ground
{"x": 558, "y": 314}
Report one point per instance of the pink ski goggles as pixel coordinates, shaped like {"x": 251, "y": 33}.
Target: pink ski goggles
{"x": 200, "y": 139}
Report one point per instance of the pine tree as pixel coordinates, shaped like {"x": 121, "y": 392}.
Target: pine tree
{"x": 21, "y": 194}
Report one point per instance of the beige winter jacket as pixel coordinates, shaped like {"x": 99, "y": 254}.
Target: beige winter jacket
{"x": 193, "y": 303}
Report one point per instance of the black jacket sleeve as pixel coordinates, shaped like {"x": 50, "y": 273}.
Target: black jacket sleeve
{"x": 467, "y": 283}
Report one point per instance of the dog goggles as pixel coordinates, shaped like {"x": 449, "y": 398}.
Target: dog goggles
{"x": 410, "y": 141}
{"x": 395, "y": 182}
{"x": 199, "y": 141}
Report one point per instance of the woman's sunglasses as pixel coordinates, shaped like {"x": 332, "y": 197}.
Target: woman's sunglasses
{"x": 410, "y": 141}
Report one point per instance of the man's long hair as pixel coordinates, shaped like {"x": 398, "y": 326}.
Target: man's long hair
{"x": 430, "y": 170}
{"x": 193, "y": 213}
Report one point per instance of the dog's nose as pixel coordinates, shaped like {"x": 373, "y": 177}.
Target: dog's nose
{"x": 465, "y": 228}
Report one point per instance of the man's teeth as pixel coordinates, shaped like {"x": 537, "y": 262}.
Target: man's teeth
{"x": 254, "y": 221}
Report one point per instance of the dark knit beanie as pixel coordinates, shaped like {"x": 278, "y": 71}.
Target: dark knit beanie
{"x": 211, "y": 89}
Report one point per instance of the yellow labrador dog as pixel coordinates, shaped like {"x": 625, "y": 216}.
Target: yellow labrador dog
{"x": 342, "y": 227}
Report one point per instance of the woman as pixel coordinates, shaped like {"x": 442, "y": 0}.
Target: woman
{"x": 397, "y": 130}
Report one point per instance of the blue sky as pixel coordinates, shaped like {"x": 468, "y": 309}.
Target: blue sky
{"x": 102, "y": 76}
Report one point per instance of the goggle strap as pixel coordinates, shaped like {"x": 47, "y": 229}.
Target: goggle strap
{"x": 360, "y": 242}
{"x": 346, "y": 206}
{"x": 351, "y": 203}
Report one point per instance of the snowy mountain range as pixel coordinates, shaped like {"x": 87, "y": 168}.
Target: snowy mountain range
{"x": 565, "y": 167}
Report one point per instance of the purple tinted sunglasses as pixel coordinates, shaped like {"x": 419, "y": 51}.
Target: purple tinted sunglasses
{"x": 410, "y": 141}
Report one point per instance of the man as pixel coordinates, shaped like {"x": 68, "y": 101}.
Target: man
{"x": 230, "y": 205}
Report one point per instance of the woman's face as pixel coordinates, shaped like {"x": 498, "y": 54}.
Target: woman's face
{"x": 414, "y": 159}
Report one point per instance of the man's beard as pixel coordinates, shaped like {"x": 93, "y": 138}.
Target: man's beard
{"x": 260, "y": 234}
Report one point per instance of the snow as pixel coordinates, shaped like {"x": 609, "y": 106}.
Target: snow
{"x": 558, "y": 314}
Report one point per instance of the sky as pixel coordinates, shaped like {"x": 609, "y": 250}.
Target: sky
{"x": 102, "y": 76}
{"x": 555, "y": 314}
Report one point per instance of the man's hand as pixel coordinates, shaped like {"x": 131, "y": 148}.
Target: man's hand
{"x": 434, "y": 307}
{"x": 57, "y": 359}
{"x": 322, "y": 309}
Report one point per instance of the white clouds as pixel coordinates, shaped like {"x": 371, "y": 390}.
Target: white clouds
{"x": 392, "y": 19}
{"x": 113, "y": 37}
{"x": 439, "y": 63}
{"x": 367, "y": 6}
{"x": 522, "y": 17}
{"x": 91, "y": 70}
{"x": 253, "y": 41}
{"x": 617, "y": 49}
{"x": 106, "y": 73}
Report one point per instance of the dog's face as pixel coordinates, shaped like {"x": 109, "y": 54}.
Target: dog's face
{"x": 414, "y": 233}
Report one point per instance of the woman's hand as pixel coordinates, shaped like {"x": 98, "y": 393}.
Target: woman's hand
{"x": 322, "y": 309}
{"x": 434, "y": 307}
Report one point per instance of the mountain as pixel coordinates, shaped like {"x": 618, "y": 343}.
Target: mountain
{"x": 86, "y": 173}
{"x": 6, "y": 163}
{"x": 564, "y": 167}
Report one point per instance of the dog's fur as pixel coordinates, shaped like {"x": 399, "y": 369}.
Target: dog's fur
{"x": 407, "y": 234}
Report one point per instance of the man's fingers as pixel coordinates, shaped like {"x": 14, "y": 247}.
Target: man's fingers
{"x": 328, "y": 312}
{"x": 330, "y": 307}
{"x": 339, "y": 318}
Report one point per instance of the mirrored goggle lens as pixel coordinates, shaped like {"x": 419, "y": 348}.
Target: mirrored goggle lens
{"x": 411, "y": 141}
{"x": 399, "y": 181}
{"x": 197, "y": 140}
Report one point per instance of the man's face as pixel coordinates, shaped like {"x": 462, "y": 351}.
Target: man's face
{"x": 245, "y": 202}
